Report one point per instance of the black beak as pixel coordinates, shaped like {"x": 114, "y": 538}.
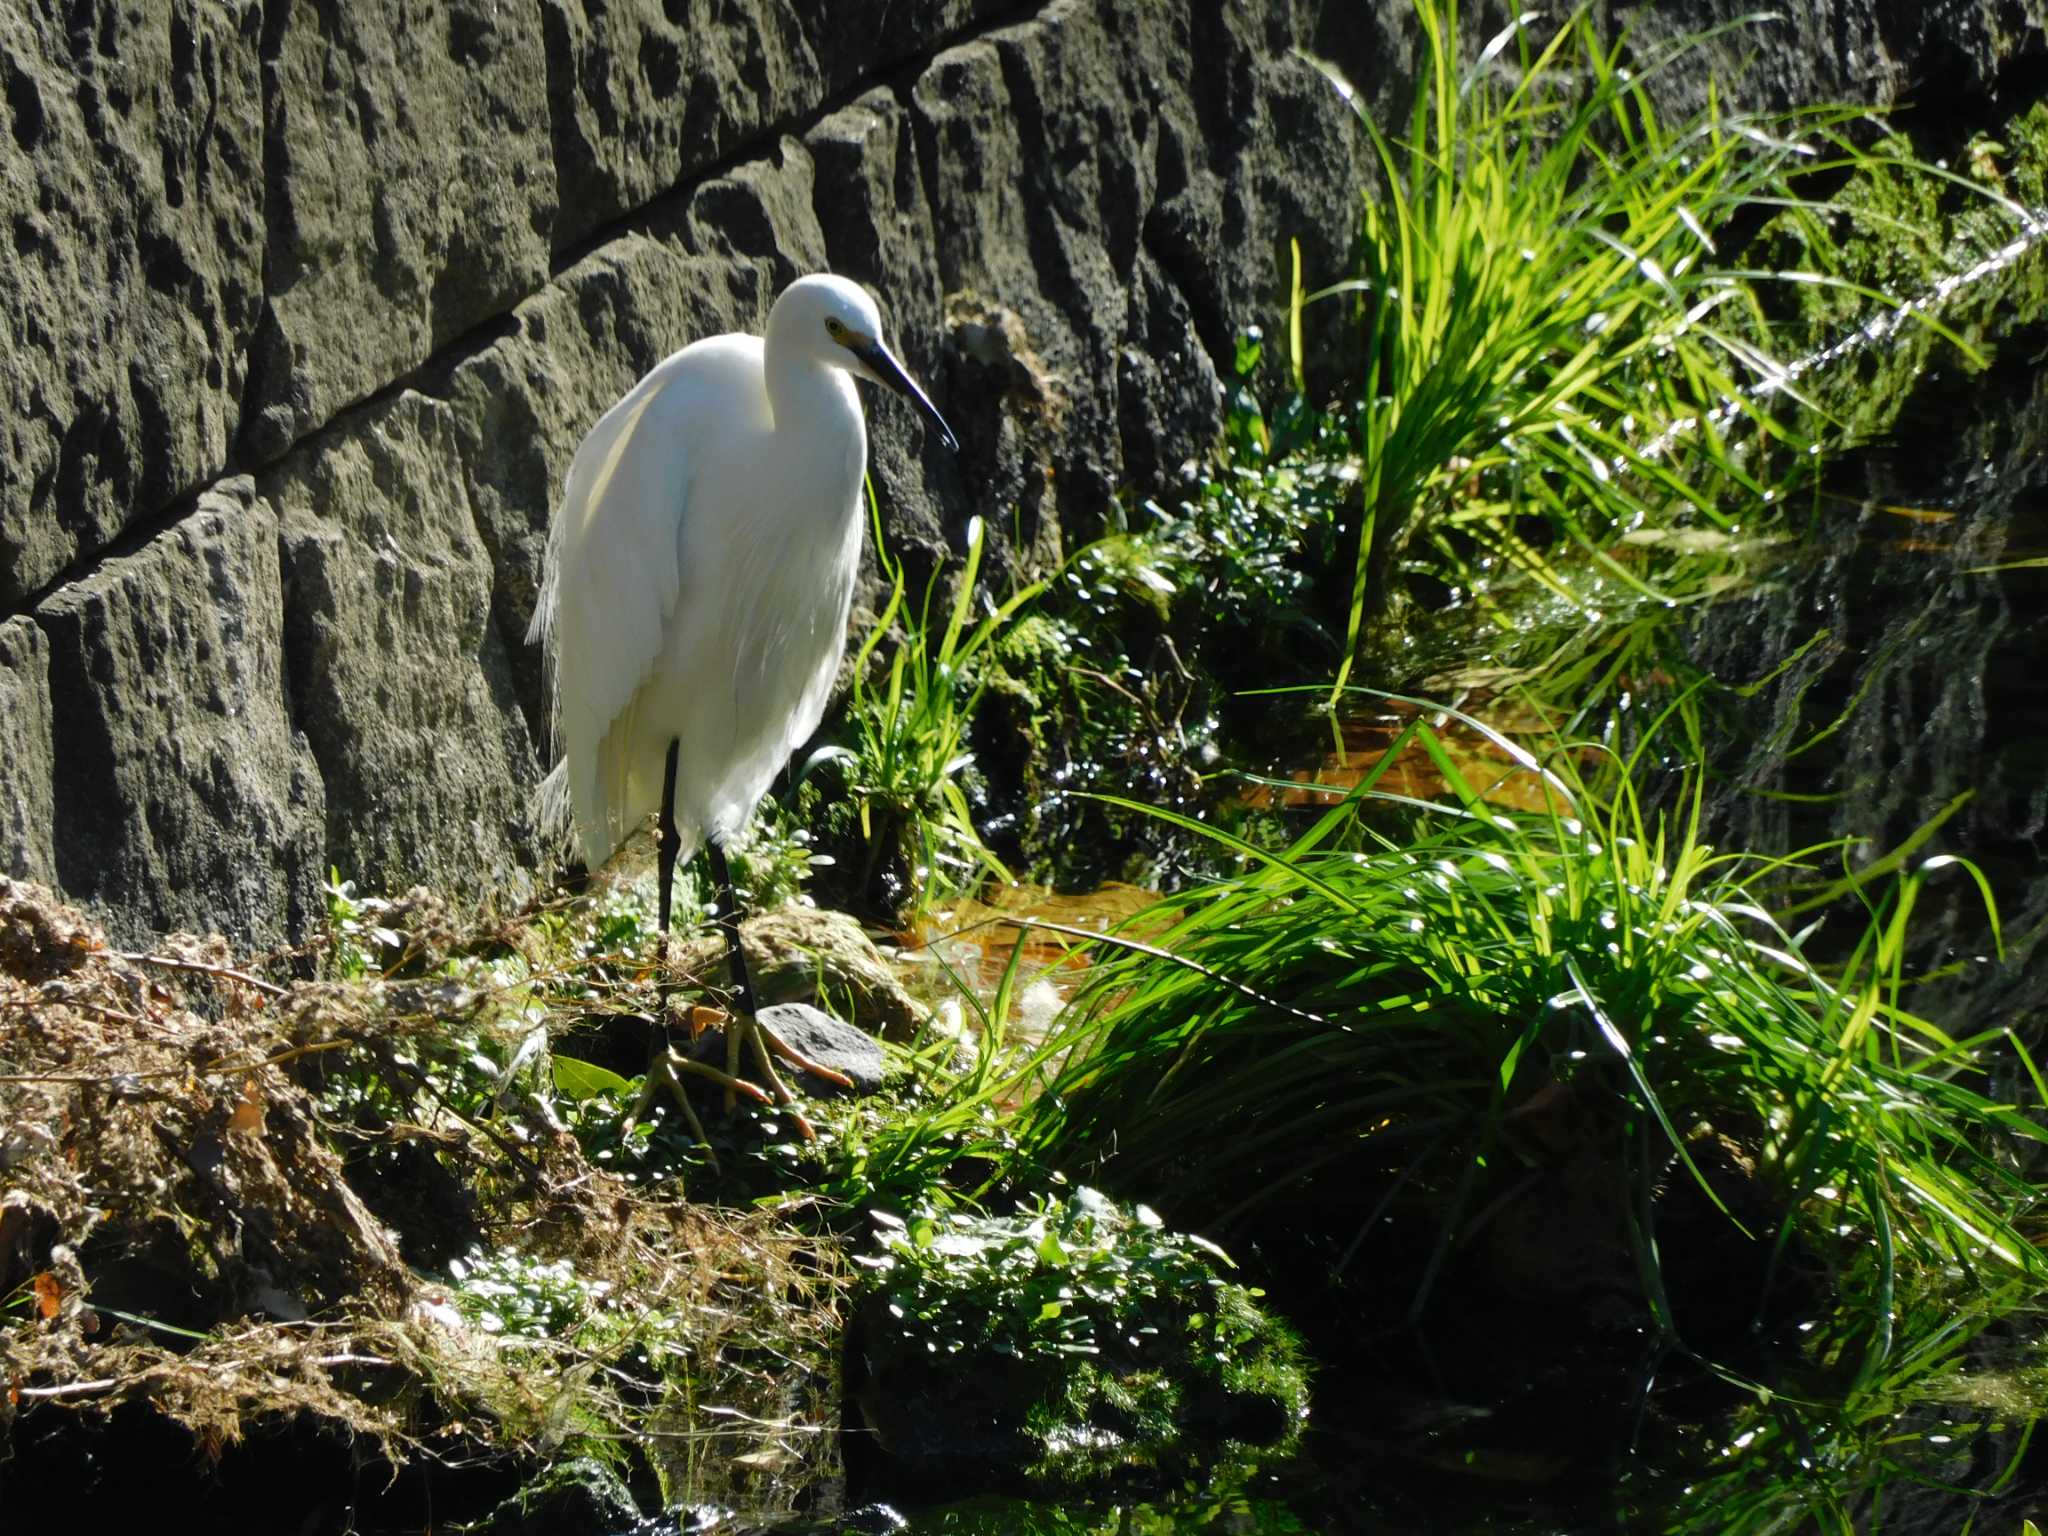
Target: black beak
{"x": 883, "y": 365}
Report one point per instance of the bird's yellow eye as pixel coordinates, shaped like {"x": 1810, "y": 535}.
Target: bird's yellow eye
{"x": 834, "y": 329}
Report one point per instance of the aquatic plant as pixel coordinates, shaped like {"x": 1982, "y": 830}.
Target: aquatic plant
{"x": 1580, "y": 1009}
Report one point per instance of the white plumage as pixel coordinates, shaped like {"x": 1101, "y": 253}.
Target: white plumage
{"x": 701, "y": 565}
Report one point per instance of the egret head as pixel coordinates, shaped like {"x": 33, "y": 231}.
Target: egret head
{"x": 834, "y": 321}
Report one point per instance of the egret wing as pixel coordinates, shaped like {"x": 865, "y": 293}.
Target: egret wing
{"x": 613, "y": 567}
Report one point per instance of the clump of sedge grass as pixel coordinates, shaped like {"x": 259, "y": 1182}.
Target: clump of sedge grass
{"x": 1558, "y": 332}
{"x": 906, "y": 769}
{"x": 1434, "y": 1018}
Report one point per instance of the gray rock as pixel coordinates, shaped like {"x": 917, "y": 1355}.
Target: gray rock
{"x": 643, "y": 99}
{"x": 639, "y": 97}
{"x": 798, "y": 953}
{"x": 182, "y": 795}
{"x": 409, "y": 195}
{"x": 1937, "y": 53}
{"x": 396, "y": 674}
{"x": 131, "y": 184}
{"x": 816, "y": 1035}
{"x": 27, "y": 769}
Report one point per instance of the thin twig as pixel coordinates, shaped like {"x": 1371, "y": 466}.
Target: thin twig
{"x": 219, "y": 1065}
{"x": 74, "y": 1002}
{"x": 217, "y": 1068}
{"x": 173, "y": 963}
{"x": 70, "y": 1389}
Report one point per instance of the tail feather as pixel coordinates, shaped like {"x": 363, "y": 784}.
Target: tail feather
{"x": 554, "y": 814}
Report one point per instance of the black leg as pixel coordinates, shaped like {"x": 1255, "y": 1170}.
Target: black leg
{"x": 728, "y": 917}
{"x": 671, "y": 840}
{"x": 670, "y": 844}
{"x": 666, "y": 1062}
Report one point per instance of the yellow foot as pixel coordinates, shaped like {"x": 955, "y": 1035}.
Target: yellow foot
{"x": 744, "y": 1029}
{"x": 666, "y": 1071}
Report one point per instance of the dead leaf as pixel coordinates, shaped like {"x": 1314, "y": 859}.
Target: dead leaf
{"x": 248, "y": 1115}
{"x": 49, "y": 1294}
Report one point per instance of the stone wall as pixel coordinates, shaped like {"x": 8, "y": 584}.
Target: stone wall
{"x": 309, "y": 302}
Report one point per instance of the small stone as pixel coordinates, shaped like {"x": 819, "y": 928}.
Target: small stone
{"x": 812, "y": 1033}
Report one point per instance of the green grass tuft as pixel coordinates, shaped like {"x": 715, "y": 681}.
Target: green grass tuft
{"x": 1559, "y": 331}
{"x": 1492, "y": 999}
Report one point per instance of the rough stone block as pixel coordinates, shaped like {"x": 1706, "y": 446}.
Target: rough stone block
{"x": 397, "y": 675}
{"x": 642, "y": 99}
{"x": 28, "y": 770}
{"x": 1935, "y": 53}
{"x": 183, "y": 796}
{"x": 410, "y": 195}
{"x": 131, "y": 183}
{"x": 1000, "y": 240}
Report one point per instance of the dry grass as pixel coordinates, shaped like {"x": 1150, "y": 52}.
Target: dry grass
{"x": 186, "y": 1223}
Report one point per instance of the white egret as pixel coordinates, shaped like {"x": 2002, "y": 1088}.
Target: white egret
{"x": 694, "y": 601}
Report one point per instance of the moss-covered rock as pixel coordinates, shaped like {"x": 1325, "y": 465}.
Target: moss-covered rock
{"x": 1937, "y": 231}
{"x": 1075, "y": 1345}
